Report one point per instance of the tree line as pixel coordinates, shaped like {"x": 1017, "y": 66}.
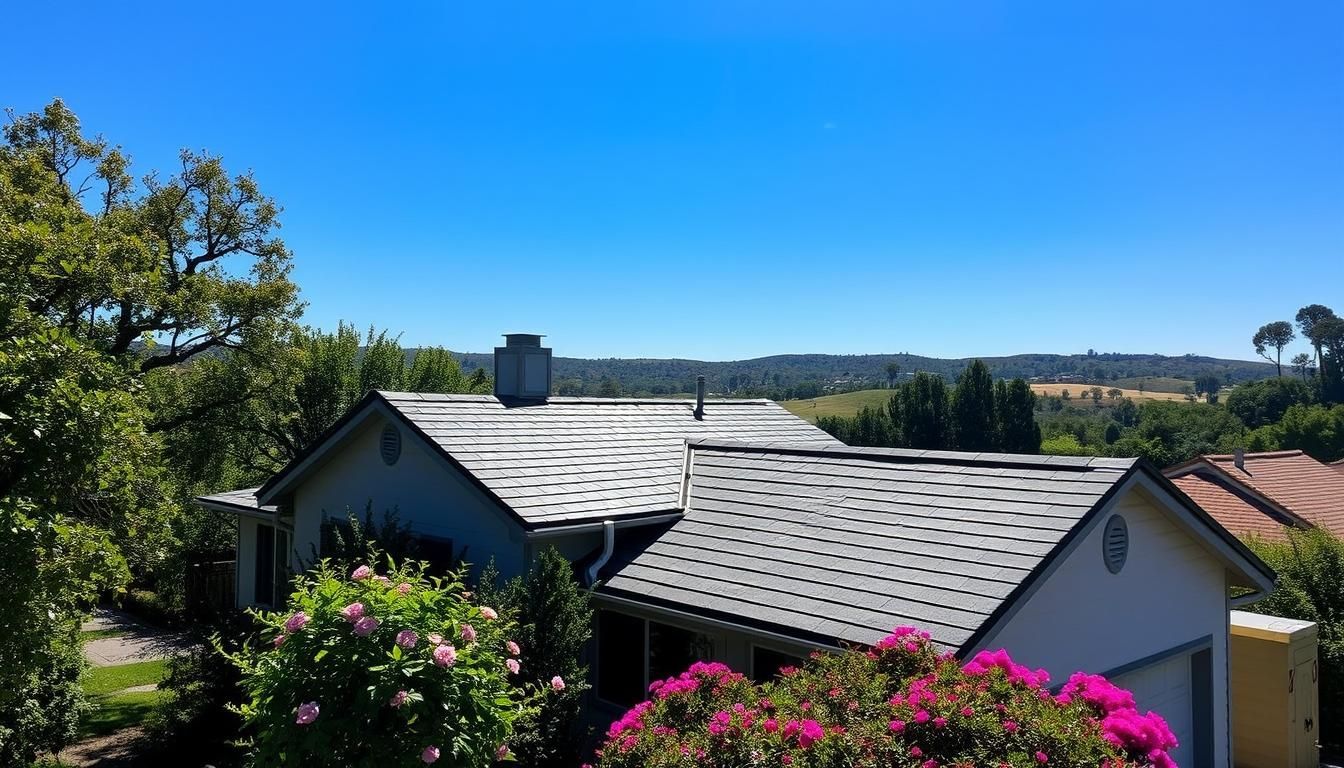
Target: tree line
{"x": 978, "y": 413}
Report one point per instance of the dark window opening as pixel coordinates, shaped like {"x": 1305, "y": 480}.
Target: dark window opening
{"x": 439, "y": 553}
{"x": 1201, "y": 704}
{"x": 263, "y": 591}
{"x": 620, "y": 652}
{"x": 673, "y": 649}
{"x": 765, "y": 663}
{"x": 281, "y": 572}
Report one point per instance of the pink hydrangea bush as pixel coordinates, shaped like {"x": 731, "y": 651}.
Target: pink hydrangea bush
{"x": 900, "y": 703}
{"x": 367, "y": 669}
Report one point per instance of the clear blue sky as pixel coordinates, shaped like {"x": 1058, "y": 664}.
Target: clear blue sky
{"x": 724, "y": 180}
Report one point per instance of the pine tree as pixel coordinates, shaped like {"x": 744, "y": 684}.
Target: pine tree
{"x": 973, "y": 409}
{"x": 925, "y": 413}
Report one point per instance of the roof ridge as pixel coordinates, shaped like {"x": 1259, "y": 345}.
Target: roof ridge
{"x": 1258, "y": 455}
{"x": 572, "y": 400}
{"x": 919, "y": 456}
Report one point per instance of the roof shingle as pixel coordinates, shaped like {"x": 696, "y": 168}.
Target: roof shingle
{"x": 1301, "y": 485}
{"x": 847, "y": 543}
{"x": 572, "y": 459}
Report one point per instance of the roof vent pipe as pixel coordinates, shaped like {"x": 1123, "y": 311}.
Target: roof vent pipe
{"x": 700, "y": 397}
{"x": 1239, "y": 458}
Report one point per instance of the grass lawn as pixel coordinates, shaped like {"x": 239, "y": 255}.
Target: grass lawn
{"x": 104, "y": 680}
{"x": 117, "y": 711}
{"x": 100, "y": 634}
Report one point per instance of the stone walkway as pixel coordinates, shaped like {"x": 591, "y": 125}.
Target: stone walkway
{"x": 137, "y": 641}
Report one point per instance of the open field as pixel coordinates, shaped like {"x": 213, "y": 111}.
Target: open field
{"x": 849, "y": 403}
{"x": 1154, "y": 383}
{"x": 1076, "y": 390}
{"x": 846, "y": 404}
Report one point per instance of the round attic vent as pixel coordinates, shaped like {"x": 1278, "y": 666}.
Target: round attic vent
{"x": 1115, "y": 543}
{"x": 389, "y": 445}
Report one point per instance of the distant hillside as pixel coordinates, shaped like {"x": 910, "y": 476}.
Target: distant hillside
{"x": 776, "y": 374}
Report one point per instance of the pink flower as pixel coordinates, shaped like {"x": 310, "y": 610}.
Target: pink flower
{"x": 929, "y": 764}
{"x": 922, "y": 716}
{"x": 1010, "y": 726}
{"x": 896, "y": 726}
{"x": 279, "y": 639}
{"x": 430, "y": 754}
{"x": 557, "y": 683}
{"x": 361, "y": 573}
{"x": 916, "y": 752}
{"x": 306, "y": 713}
{"x": 502, "y": 752}
{"x": 489, "y": 613}
{"x": 468, "y": 633}
{"x": 1041, "y": 757}
{"x": 435, "y": 638}
{"x": 811, "y": 733}
{"x": 967, "y": 712}
{"x": 365, "y": 626}
{"x": 770, "y": 725}
{"x": 445, "y": 655}
{"x": 382, "y": 580}
{"x": 398, "y": 699}
{"x": 353, "y": 612}
{"x": 939, "y": 722}
{"x": 512, "y": 664}
{"x": 404, "y": 588}
{"x": 512, "y": 648}
{"x": 407, "y": 638}
{"x": 296, "y": 622}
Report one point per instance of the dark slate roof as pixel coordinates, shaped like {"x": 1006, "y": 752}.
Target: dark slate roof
{"x": 569, "y": 459}
{"x": 245, "y": 498}
{"x": 845, "y": 544}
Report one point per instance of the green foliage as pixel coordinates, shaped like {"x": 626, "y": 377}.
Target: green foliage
{"x": 52, "y": 571}
{"x": 1314, "y": 429}
{"x": 1276, "y": 336}
{"x": 347, "y": 543}
{"x": 195, "y": 721}
{"x": 1264, "y": 402}
{"x": 1310, "y": 566}
{"x": 554, "y": 626}
{"x": 979, "y": 414}
{"x": 973, "y": 409}
{"x": 1064, "y": 445}
{"x": 329, "y": 690}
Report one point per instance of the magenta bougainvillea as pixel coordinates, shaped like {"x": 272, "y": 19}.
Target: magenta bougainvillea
{"x": 900, "y": 703}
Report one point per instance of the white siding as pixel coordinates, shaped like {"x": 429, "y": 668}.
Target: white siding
{"x": 431, "y": 498}
{"x": 1170, "y": 592}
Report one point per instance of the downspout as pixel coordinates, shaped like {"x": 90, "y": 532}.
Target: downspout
{"x": 608, "y": 546}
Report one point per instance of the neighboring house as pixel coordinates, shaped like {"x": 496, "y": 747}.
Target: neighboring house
{"x": 1264, "y": 493}
{"x": 733, "y": 530}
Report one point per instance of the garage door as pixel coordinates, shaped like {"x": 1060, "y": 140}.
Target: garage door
{"x": 1165, "y": 688}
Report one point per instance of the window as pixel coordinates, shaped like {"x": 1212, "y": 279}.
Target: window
{"x": 264, "y": 563}
{"x": 632, "y": 652}
{"x": 765, "y": 663}
{"x": 620, "y": 652}
{"x": 673, "y": 649}
{"x": 271, "y": 566}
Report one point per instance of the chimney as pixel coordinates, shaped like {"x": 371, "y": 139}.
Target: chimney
{"x": 700, "y": 397}
{"x": 522, "y": 368}
{"x": 1239, "y": 458}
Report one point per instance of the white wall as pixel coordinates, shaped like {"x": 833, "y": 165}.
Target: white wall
{"x": 1171, "y": 591}
{"x": 431, "y": 498}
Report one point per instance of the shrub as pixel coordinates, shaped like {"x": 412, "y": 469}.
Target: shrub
{"x": 380, "y": 670}
{"x": 554, "y": 625}
{"x": 1310, "y": 565}
{"x": 898, "y": 704}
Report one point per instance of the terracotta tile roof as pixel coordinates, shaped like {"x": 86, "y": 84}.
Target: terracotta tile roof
{"x": 1236, "y": 513}
{"x": 1291, "y": 480}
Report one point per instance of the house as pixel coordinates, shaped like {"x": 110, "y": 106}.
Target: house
{"x": 1265, "y": 493}
{"x": 732, "y": 530}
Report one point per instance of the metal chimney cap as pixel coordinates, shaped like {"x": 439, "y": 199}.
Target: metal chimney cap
{"x": 523, "y": 339}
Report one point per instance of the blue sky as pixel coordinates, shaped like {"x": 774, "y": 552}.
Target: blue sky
{"x": 726, "y": 180}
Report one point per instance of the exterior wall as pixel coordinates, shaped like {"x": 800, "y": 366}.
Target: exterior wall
{"x": 429, "y": 497}
{"x": 1170, "y": 592}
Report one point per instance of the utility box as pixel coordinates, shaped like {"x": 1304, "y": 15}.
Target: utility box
{"x": 1273, "y": 684}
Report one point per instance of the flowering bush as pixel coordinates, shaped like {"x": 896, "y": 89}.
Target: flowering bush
{"x": 380, "y": 670}
{"x": 898, "y": 704}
